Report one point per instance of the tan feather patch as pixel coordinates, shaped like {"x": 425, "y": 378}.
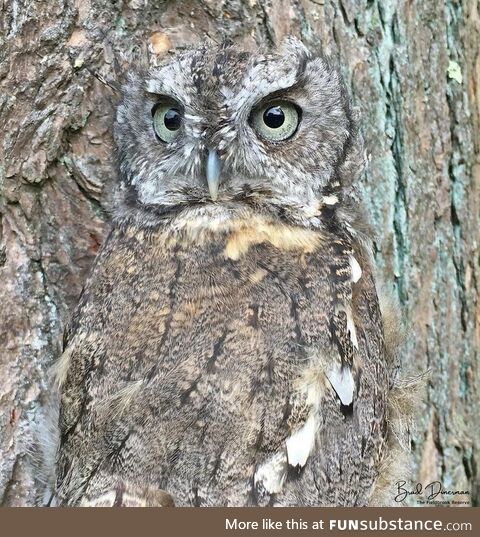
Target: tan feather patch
{"x": 59, "y": 370}
{"x": 257, "y": 276}
{"x": 280, "y": 236}
{"x": 115, "y": 404}
{"x": 129, "y": 495}
{"x": 243, "y": 231}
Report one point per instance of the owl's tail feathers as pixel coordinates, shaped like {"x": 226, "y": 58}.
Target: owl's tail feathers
{"x": 126, "y": 494}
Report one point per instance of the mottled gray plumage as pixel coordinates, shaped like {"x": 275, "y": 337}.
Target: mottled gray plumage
{"x": 230, "y": 352}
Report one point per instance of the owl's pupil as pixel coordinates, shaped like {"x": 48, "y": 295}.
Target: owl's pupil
{"x": 274, "y": 117}
{"x": 172, "y": 119}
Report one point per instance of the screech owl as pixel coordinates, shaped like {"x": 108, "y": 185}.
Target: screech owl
{"x": 228, "y": 347}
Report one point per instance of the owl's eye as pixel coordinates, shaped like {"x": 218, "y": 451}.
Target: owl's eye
{"x": 276, "y": 121}
{"x": 167, "y": 121}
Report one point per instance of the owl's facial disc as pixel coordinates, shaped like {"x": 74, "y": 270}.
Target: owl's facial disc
{"x": 216, "y": 126}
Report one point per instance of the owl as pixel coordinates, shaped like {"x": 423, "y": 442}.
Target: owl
{"x": 229, "y": 348}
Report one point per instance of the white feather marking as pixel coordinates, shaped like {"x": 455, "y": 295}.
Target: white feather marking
{"x": 311, "y": 209}
{"x": 300, "y": 443}
{"x": 193, "y": 117}
{"x": 187, "y": 150}
{"x": 351, "y": 329}
{"x": 330, "y": 200}
{"x": 343, "y": 384}
{"x": 152, "y": 86}
{"x": 356, "y": 269}
{"x": 271, "y": 474}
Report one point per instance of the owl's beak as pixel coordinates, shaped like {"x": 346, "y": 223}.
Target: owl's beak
{"x": 214, "y": 166}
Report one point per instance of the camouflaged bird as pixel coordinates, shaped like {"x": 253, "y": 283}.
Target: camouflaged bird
{"x": 228, "y": 348}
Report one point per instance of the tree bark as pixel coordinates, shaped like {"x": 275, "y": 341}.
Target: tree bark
{"x": 414, "y": 71}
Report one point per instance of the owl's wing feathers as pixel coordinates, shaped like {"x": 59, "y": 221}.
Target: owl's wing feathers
{"x": 343, "y": 463}
{"x": 336, "y": 437}
{"x": 345, "y": 272}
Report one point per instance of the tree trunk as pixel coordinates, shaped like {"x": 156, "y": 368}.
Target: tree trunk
{"x": 414, "y": 71}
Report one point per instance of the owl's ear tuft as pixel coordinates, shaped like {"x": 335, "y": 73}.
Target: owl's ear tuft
{"x": 136, "y": 59}
{"x": 134, "y": 80}
{"x": 291, "y": 45}
{"x": 131, "y": 85}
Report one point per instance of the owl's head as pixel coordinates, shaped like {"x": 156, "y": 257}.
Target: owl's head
{"x": 219, "y": 128}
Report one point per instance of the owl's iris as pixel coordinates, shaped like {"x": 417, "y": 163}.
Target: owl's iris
{"x": 167, "y": 120}
{"x": 276, "y": 121}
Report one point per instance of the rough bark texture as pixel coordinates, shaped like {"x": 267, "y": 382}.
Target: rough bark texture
{"x": 414, "y": 71}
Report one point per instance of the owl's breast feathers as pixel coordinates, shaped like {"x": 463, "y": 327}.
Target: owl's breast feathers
{"x": 232, "y": 363}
